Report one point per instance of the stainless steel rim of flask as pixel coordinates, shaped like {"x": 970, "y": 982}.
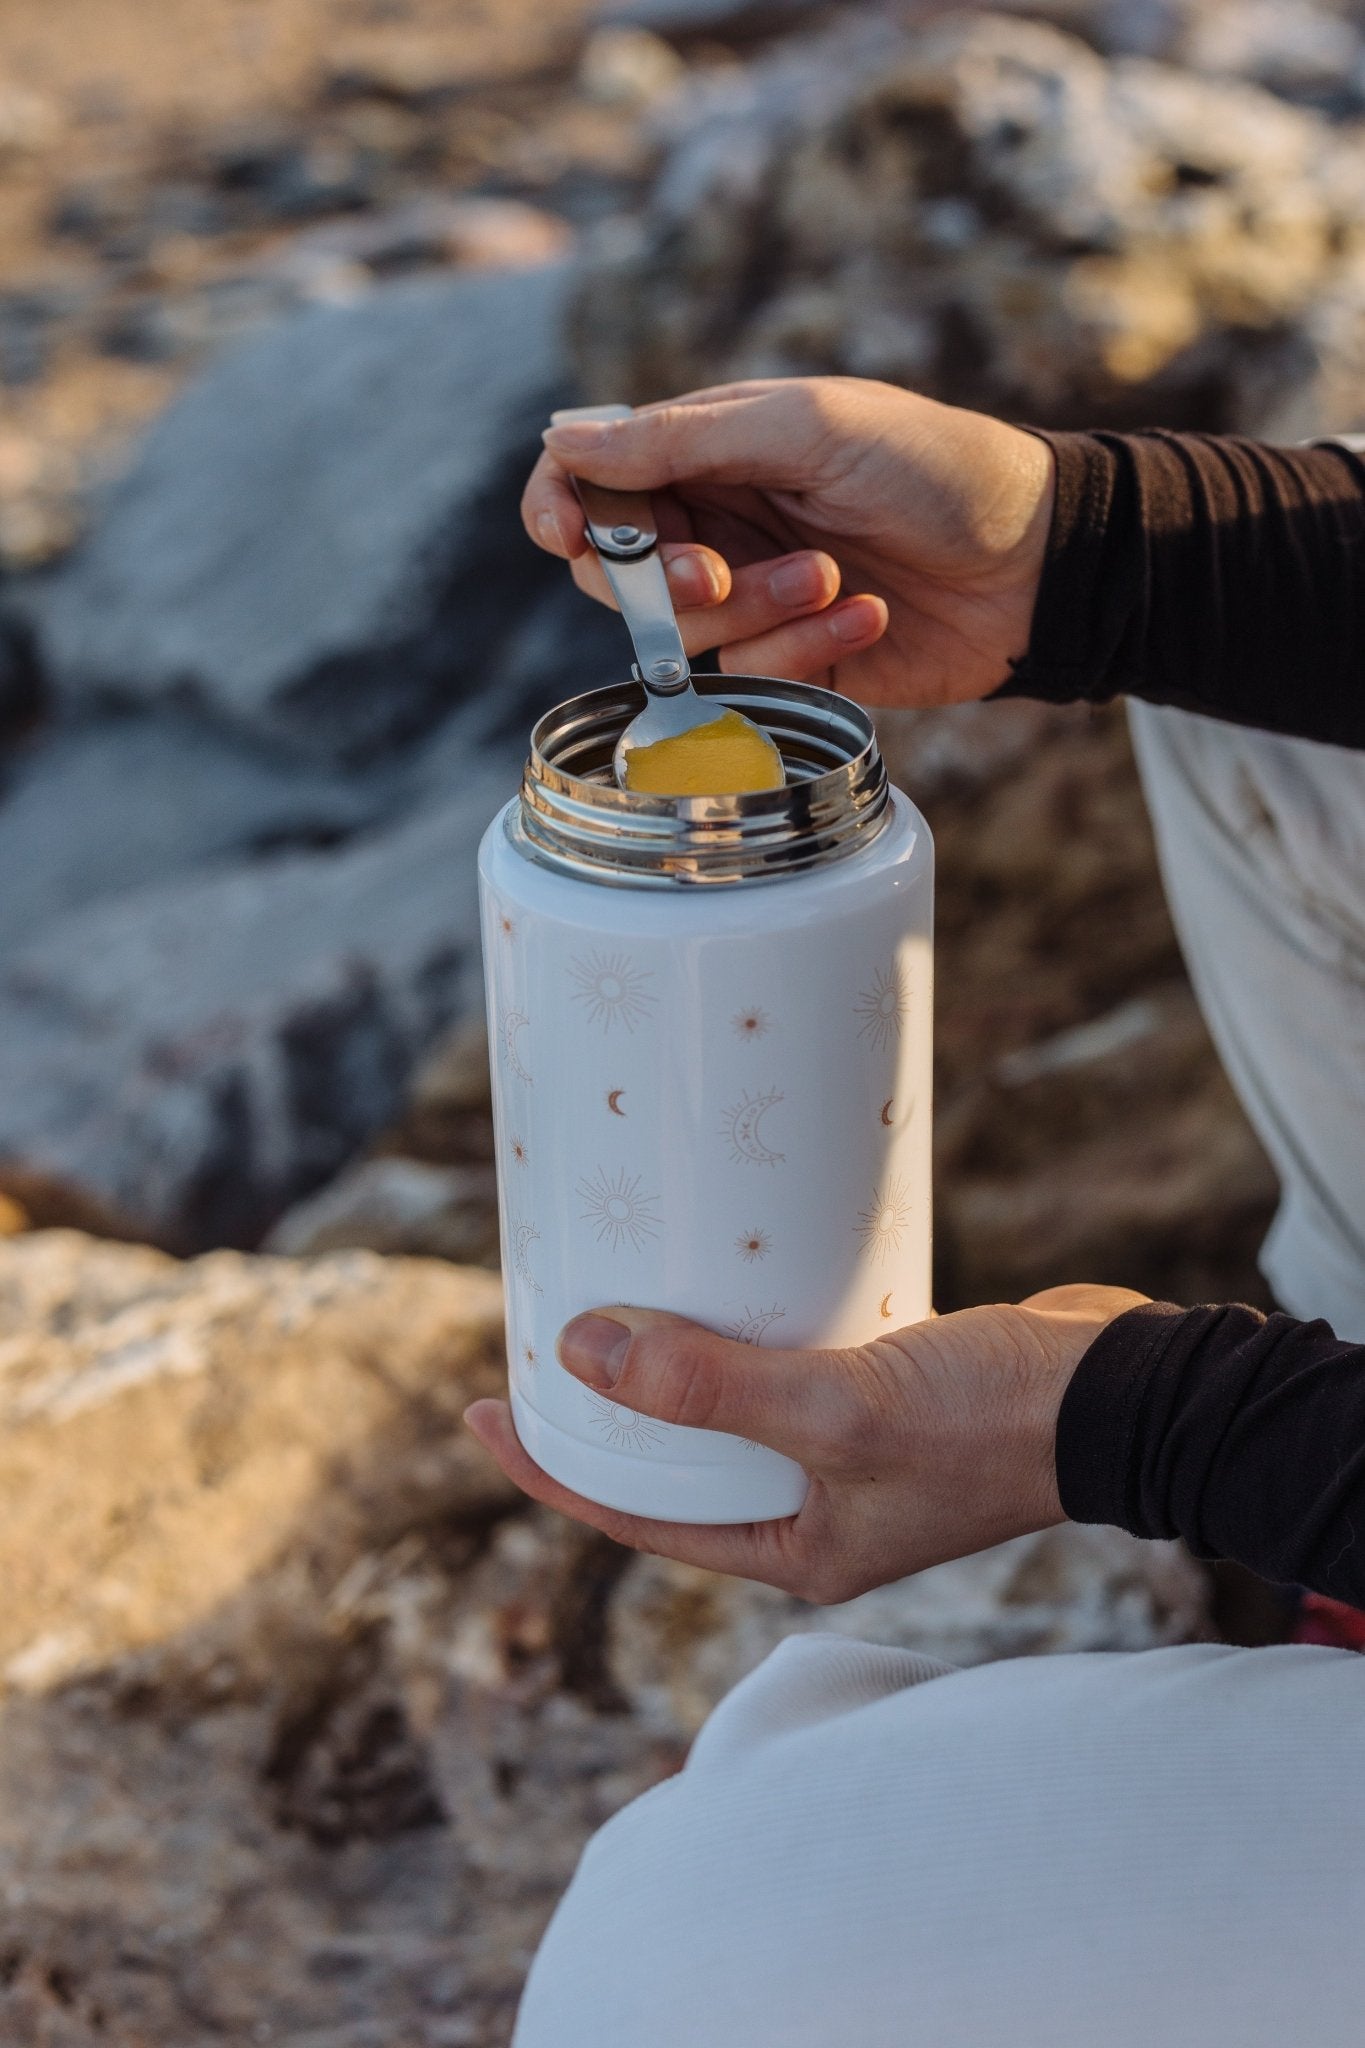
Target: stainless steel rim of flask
{"x": 572, "y": 816}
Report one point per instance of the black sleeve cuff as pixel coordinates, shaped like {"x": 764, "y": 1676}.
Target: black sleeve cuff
{"x": 1079, "y": 608}
{"x": 1097, "y": 1425}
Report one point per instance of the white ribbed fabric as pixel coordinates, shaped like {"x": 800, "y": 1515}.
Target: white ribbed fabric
{"x": 1262, "y": 845}
{"x": 870, "y": 1850}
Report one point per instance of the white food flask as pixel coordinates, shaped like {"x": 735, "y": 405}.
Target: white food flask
{"x": 710, "y": 1021}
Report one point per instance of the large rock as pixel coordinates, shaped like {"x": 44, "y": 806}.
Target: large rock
{"x": 170, "y": 1433}
{"x": 197, "y": 1055}
{"x": 319, "y": 542}
{"x": 112, "y": 804}
{"x": 307, "y": 1720}
{"x": 989, "y": 211}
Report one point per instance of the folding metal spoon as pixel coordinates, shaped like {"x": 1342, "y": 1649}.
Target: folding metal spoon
{"x": 621, "y": 527}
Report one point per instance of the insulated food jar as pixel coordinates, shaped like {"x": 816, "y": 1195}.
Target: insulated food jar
{"x": 710, "y": 1021}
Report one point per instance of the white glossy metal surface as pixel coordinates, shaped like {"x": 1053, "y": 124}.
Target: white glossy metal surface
{"x": 716, "y": 1102}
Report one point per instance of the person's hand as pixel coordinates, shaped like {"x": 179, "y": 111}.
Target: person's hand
{"x": 925, "y": 1445}
{"x": 772, "y": 498}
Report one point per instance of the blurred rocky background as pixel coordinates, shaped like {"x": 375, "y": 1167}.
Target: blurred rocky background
{"x": 305, "y": 1716}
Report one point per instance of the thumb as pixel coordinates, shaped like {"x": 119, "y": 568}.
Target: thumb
{"x": 779, "y": 437}
{"x": 811, "y": 1405}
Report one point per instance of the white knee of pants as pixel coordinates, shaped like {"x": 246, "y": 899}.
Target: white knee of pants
{"x": 1050, "y": 1852}
{"x": 1262, "y": 848}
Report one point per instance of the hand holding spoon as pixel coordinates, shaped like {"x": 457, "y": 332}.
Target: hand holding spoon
{"x": 622, "y": 528}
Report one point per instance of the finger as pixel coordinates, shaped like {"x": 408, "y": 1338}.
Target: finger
{"x": 808, "y": 646}
{"x": 780, "y": 438}
{"x": 698, "y": 577}
{"x": 749, "y": 1550}
{"x": 808, "y": 1404}
{"x": 757, "y": 598}
{"x": 550, "y": 511}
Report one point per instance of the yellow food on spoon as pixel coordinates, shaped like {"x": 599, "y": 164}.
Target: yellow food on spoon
{"x": 728, "y": 757}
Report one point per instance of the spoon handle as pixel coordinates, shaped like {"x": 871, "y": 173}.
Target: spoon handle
{"x": 621, "y": 527}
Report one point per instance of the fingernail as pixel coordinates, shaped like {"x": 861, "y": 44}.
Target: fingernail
{"x": 693, "y": 579}
{"x": 547, "y": 526}
{"x": 847, "y": 622}
{"x": 794, "y": 583}
{"x": 577, "y": 435}
{"x": 593, "y": 1348}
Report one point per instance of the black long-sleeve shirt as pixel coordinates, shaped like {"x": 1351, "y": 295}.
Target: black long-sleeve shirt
{"x": 1227, "y": 578}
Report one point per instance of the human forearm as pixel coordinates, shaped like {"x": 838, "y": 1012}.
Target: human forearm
{"x": 1242, "y": 1433}
{"x": 1220, "y": 575}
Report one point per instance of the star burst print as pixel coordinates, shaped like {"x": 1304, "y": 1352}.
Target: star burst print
{"x": 753, "y": 1244}
{"x": 618, "y": 1209}
{"x": 623, "y": 1429}
{"x": 883, "y": 1224}
{"x": 612, "y": 990}
{"x": 880, "y": 1009}
{"x": 751, "y": 1024}
{"x": 751, "y": 1326}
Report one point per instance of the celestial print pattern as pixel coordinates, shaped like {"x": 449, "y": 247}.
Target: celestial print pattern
{"x": 742, "y": 1124}
{"x": 618, "y": 1210}
{"x": 753, "y": 1323}
{"x": 880, "y": 1008}
{"x": 883, "y": 1224}
{"x": 623, "y": 1429}
{"x": 612, "y": 990}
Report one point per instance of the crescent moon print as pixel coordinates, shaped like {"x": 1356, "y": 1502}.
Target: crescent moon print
{"x": 618, "y": 1211}
{"x": 752, "y": 1324}
{"x": 753, "y": 1244}
{"x": 752, "y": 1024}
{"x": 513, "y": 1024}
{"x": 614, "y": 1101}
{"x": 886, "y": 1110}
{"x": 623, "y": 1429}
{"x": 524, "y": 1235}
{"x": 885, "y": 1310}
{"x": 881, "y": 1008}
{"x": 883, "y": 1224}
{"x": 743, "y": 1126}
{"x": 612, "y": 990}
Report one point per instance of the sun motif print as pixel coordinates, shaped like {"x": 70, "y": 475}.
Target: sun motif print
{"x": 753, "y": 1244}
{"x": 880, "y": 1009}
{"x": 513, "y": 1024}
{"x": 524, "y": 1235}
{"x": 623, "y": 1429}
{"x": 753, "y": 1323}
{"x": 883, "y": 1224}
{"x": 618, "y": 1210}
{"x": 612, "y": 990}
{"x": 751, "y": 1024}
{"x": 517, "y": 1148}
{"x": 742, "y": 1124}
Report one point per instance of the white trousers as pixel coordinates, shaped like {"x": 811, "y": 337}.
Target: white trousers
{"x": 869, "y": 1850}
{"x": 1262, "y": 847}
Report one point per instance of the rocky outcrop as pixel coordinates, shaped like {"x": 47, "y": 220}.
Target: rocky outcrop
{"x": 171, "y": 1435}
{"x": 292, "y": 668}
{"x": 988, "y": 210}
{"x": 198, "y": 1055}
{"x": 305, "y": 1717}
{"x": 318, "y": 543}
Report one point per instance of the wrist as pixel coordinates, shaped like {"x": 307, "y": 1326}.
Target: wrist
{"x": 1058, "y": 1327}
